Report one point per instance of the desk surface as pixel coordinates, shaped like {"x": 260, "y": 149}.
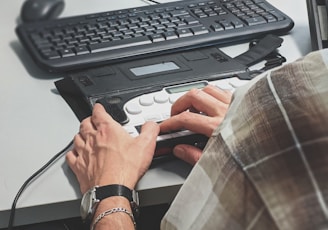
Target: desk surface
{"x": 36, "y": 122}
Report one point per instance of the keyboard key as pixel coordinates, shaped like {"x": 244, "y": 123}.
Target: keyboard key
{"x": 277, "y": 15}
{"x": 100, "y": 47}
{"x": 157, "y": 38}
{"x": 237, "y": 24}
{"x": 269, "y": 17}
{"x": 51, "y": 55}
{"x": 265, "y": 6}
{"x": 217, "y": 27}
{"x": 190, "y": 20}
{"x": 179, "y": 13}
{"x": 170, "y": 35}
{"x": 66, "y": 53}
{"x": 255, "y": 21}
{"x": 226, "y": 25}
{"x": 199, "y": 30}
{"x": 81, "y": 50}
{"x": 184, "y": 33}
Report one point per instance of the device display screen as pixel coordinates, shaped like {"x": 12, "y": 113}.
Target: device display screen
{"x": 186, "y": 87}
{"x": 156, "y": 68}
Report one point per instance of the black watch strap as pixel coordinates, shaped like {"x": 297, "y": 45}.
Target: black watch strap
{"x": 113, "y": 190}
{"x": 119, "y": 190}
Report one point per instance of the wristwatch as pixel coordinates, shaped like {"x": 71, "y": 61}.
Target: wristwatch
{"x": 93, "y": 196}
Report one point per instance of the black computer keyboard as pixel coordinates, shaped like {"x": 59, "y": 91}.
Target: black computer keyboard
{"x": 107, "y": 37}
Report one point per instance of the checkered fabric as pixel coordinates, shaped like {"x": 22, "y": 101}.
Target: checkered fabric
{"x": 266, "y": 166}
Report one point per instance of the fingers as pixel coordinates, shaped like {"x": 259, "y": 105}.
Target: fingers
{"x": 71, "y": 159}
{"x": 71, "y": 156}
{"x": 86, "y": 127}
{"x": 222, "y": 95}
{"x": 187, "y": 153}
{"x": 149, "y": 131}
{"x": 100, "y": 117}
{"x": 79, "y": 142}
{"x": 147, "y": 137}
{"x": 191, "y": 121}
{"x": 210, "y": 101}
{"x": 185, "y": 112}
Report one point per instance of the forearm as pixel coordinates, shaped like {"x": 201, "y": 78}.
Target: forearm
{"x": 117, "y": 220}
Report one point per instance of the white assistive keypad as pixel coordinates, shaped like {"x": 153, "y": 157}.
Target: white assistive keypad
{"x": 157, "y": 106}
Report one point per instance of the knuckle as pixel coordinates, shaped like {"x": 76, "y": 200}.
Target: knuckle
{"x": 193, "y": 93}
{"x": 185, "y": 116}
{"x": 76, "y": 137}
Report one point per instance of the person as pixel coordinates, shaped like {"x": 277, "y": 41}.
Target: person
{"x": 264, "y": 166}
{"x": 96, "y": 161}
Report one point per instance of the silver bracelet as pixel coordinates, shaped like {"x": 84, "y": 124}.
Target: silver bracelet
{"x": 111, "y": 211}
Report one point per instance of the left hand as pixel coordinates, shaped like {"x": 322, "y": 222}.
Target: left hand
{"x": 188, "y": 113}
{"x": 104, "y": 153}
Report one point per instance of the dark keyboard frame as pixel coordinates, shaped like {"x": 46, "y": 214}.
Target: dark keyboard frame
{"x": 315, "y": 23}
{"x": 227, "y": 36}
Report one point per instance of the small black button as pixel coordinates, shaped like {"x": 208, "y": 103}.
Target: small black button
{"x": 114, "y": 108}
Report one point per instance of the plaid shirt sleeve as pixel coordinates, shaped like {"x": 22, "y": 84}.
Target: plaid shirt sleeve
{"x": 266, "y": 165}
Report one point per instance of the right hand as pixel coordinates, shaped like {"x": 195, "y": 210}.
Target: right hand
{"x": 200, "y": 111}
{"x": 104, "y": 153}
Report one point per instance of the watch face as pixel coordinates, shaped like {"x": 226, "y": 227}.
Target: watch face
{"x": 87, "y": 203}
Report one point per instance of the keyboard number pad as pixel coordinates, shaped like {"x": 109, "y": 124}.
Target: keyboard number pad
{"x": 252, "y": 13}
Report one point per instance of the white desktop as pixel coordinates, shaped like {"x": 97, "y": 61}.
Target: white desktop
{"x": 36, "y": 123}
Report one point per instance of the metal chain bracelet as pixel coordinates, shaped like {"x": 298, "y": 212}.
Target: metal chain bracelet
{"x": 111, "y": 211}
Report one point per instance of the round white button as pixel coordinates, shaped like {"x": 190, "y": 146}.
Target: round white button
{"x": 174, "y": 97}
{"x": 133, "y": 109}
{"x": 161, "y": 98}
{"x": 235, "y": 82}
{"x": 224, "y": 85}
{"x": 146, "y": 100}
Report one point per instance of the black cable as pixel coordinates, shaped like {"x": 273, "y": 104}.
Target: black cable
{"x": 28, "y": 181}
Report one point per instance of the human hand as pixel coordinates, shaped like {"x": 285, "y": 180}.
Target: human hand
{"x": 200, "y": 111}
{"x": 104, "y": 153}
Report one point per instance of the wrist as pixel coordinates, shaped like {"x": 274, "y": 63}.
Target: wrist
{"x": 124, "y": 177}
{"x": 112, "y": 202}
{"x": 101, "y": 194}
{"x": 129, "y": 184}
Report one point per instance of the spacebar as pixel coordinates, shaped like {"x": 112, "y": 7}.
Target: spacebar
{"x": 105, "y": 46}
